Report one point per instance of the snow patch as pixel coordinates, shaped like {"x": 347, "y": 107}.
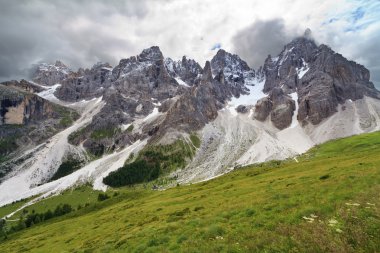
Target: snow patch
{"x": 49, "y": 91}
{"x": 255, "y": 88}
{"x": 153, "y": 115}
{"x": 302, "y": 70}
{"x": 294, "y": 96}
{"x": 181, "y": 82}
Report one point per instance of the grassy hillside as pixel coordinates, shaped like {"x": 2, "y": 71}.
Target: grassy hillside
{"x": 328, "y": 201}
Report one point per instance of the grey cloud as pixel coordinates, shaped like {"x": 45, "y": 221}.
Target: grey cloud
{"x": 255, "y": 42}
{"x": 370, "y": 52}
{"x": 35, "y": 30}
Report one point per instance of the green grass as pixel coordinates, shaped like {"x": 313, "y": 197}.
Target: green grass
{"x": 195, "y": 140}
{"x": 5, "y": 210}
{"x": 259, "y": 208}
{"x": 104, "y": 133}
{"x": 79, "y": 196}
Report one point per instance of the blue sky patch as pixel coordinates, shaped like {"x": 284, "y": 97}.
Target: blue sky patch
{"x": 358, "y": 14}
{"x": 216, "y": 46}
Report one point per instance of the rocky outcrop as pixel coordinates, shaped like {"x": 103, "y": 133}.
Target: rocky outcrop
{"x": 86, "y": 83}
{"x": 199, "y": 105}
{"x": 21, "y": 108}
{"x": 23, "y": 85}
{"x": 237, "y": 73}
{"x": 322, "y": 79}
{"x": 242, "y": 109}
{"x": 145, "y": 76}
{"x": 27, "y": 119}
{"x": 50, "y": 74}
{"x": 187, "y": 70}
{"x": 279, "y": 106}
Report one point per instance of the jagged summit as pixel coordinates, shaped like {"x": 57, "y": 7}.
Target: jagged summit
{"x": 206, "y": 72}
{"x": 151, "y": 54}
{"x": 50, "y": 74}
{"x": 308, "y": 33}
{"x": 231, "y": 64}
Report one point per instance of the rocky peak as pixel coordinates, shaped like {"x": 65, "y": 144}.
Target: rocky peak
{"x": 188, "y": 70}
{"x": 50, "y": 74}
{"x": 59, "y": 64}
{"x": 150, "y": 54}
{"x": 236, "y": 71}
{"x": 230, "y": 64}
{"x": 288, "y": 67}
{"x": 206, "y": 72}
{"x": 322, "y": 78}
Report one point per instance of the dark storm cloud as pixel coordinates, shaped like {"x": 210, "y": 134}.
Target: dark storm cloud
{"x": 260, "y": 39}
{"x": 37, "y": 30}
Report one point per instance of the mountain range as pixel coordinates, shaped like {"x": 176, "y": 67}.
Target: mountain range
{"x": 183, "y": 122}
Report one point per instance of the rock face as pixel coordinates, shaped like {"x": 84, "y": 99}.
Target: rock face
{"x": 187, "y": 70}
{"x": 145, "y": 76}
{"x": 50, "y": 74}
{"x": 322, "y": 79}
{"x": 26, "y": 120}
{"x": 86, "y": 84}
{"x": 237, "y": 73}
{"x": 279, "y": 106}
{"x": 21, "y": 108}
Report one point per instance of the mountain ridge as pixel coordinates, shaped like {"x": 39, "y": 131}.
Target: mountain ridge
{"x": 307, "y": 95}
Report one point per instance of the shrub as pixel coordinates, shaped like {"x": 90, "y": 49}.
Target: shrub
{"x": 102, "y": 196}
{"x": 324, "y": 177}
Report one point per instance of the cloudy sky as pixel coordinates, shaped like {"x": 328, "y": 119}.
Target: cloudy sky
{"x": 83, "y": 32}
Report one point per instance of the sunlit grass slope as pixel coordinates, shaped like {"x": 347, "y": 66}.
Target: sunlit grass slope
{"x": 328, "y": 201}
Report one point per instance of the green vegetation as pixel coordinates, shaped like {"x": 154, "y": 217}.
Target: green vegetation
{"x": 7, "y": 145}
{"x": 285, "y": 206}
{"x": 195, "y": 140}
{"x": 152, "y": 162}
{"x": 67, "y": 167}
{"x": 79, "y": 196}
{"x": 133, "y": 173}
{"x": 35, "y": 218}
{"x": 73, "y": 137}
{"x": 102, "y": 196}
{"x": 104, "y": 133}
{"x": 7, "y": 209}
{"x": 67, "y": 116}
{"x": 130, "y": 128}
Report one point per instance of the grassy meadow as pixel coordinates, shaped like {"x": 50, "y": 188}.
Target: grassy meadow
{"x": 328, "y": 201}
